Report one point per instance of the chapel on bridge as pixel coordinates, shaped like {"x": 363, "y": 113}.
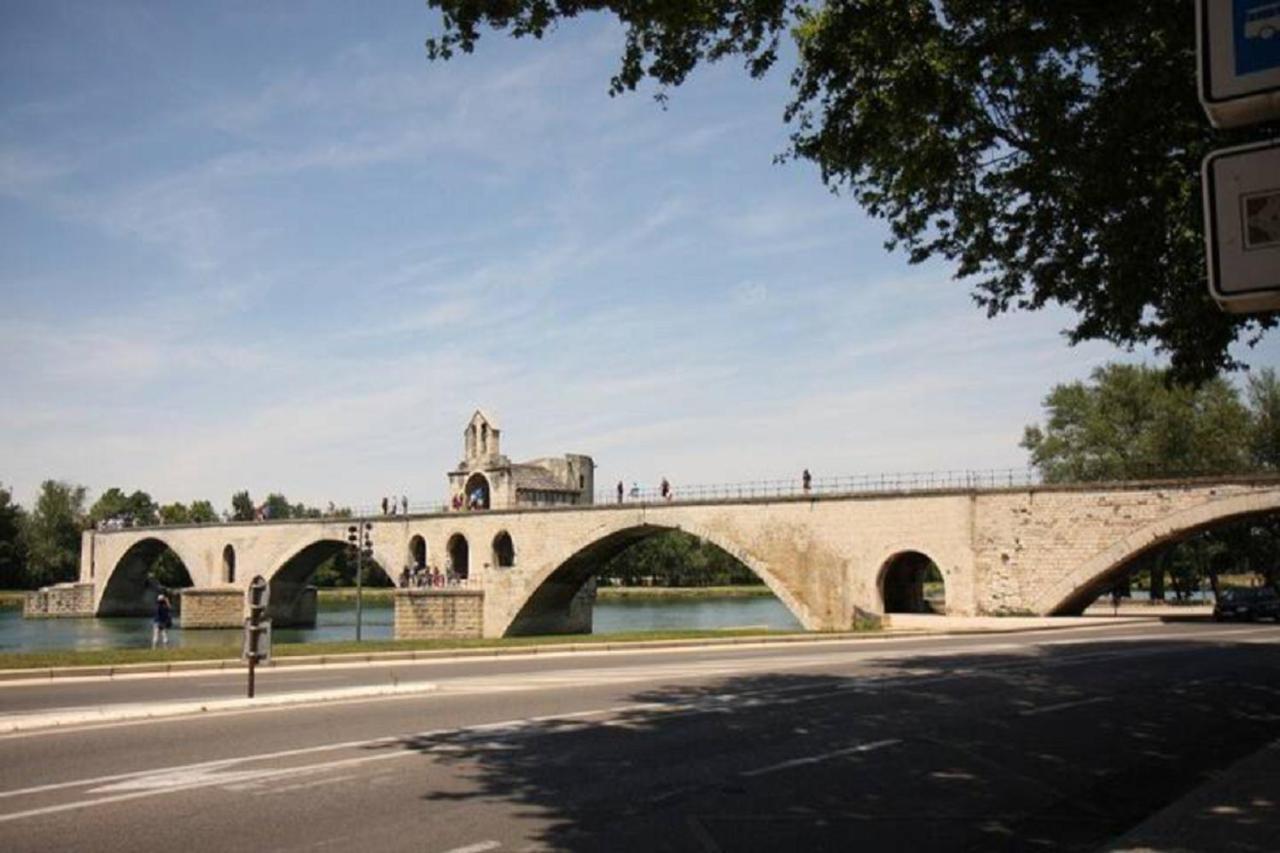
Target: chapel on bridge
{"x": 485, "y": 479}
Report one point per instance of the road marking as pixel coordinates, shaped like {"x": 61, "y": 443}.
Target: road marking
{"x": 478, "y": 847}
{"x": 816, "y": 759}
{"x": 1062, "y": 706}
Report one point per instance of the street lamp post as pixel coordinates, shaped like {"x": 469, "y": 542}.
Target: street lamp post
{"x": 358, "y": 540}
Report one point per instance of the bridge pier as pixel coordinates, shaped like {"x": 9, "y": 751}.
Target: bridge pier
{"x": 292, "y": 608}
{"x": 432, "y": 614}
{"x": 215, "y": 607}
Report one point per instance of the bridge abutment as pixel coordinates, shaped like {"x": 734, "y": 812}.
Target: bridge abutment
{"x": 60, "y": 601}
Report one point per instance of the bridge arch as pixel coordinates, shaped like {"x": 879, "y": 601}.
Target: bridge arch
{"x": 901, "y": 582}
{"x": 553, "y": 587}
{"x": 292, "y": 598}
{"x": 131, "y": 589}
{"x": 1074, "y": 592}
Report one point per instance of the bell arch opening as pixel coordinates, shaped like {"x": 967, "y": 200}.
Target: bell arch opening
{"x": 228, "y": 564}
{"x": 504, "y": 551}
{"x": 476, "y": 492}
{"x": 647, "y": 556}
{"x": 1187, "y": 563}
{"x": 147, "y": 569}
{"x": 323, "y": 563}
{"x": 910, "y": 582}
{"x": 458, "y": 564}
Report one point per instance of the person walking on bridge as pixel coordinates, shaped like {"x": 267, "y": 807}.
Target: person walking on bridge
{"x": 162, "y": 622}
{"x": 619, "y": 491}
{"x": 807, "y": 480}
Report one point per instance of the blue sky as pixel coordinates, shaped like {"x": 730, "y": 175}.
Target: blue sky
{"x": 269, "y": 246}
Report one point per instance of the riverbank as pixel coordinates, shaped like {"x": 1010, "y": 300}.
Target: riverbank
{"x": 612, "y": 593}
{"x": 125, "y": 657}
{"x": 11, "y": 599}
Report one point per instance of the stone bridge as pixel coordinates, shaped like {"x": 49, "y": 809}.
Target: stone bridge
{"x": 829, "y": 558}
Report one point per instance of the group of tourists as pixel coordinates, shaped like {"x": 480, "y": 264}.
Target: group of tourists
{"x": 390, "y": 505}
{"x": 668, "y": 493}
{"x": 425, "y": 577}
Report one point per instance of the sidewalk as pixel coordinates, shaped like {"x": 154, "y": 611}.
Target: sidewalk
{"x": 1238, "y": 810}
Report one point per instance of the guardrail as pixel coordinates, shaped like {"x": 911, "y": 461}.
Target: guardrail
{"x": 858, "y": 483}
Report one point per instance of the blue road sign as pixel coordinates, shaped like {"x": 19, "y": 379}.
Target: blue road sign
{"x": 1257, "y": 35}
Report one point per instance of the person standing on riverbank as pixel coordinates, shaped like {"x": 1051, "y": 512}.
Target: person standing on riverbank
{"x": 162, "y": 622}
{"x": 619, "y": 491}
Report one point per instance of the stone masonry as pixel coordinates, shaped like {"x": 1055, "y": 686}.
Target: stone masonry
{"x": 431, "y": 614}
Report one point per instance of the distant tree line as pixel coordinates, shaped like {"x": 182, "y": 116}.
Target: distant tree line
{"x": 674, "y": 558}
{"x": 41, "y": 546}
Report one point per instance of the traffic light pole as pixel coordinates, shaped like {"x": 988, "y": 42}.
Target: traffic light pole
{"x": 359, "y": 588}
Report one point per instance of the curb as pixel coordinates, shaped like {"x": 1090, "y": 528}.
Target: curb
{"x": 125, "y": 713}
{"x": 36, "y": 674}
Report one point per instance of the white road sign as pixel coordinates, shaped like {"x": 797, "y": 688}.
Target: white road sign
{"x": 1242, "y": 226}
{"x": 1239, "y": 47}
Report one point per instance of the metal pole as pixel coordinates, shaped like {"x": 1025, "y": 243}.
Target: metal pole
{"x": 360, "y": 540}
{"x": 253, "y": 661}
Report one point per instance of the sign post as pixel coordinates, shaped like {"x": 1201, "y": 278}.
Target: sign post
{"x": 1239, "y": 60}
{"x": 1239, "y": 71}
{"x": 1242, "y": 226}
{"x": 257, "y": 628}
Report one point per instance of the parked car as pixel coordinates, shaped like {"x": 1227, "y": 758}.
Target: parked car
{"x": 1247, "y": 604}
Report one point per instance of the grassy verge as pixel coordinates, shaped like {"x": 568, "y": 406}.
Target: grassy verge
{"x": 693, "y": 592}
{"x": 11, "y": 599}
{"x": 118, "y": 657}
{"x": 381, "y": 593}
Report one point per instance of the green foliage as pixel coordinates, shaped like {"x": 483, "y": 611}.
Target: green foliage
{"x": 1050, "y": 149}
{"x": 175, "y": 513}
{"x": 673, "y": 558}
{"x": 53, "y": 534}
{"x": 1264, "y": 403}
{"x": 242, "y": 508}
{"x": 13, "y": 546}
{"x": 1129, "y": 423}
{"x": 202, "y": 512}
{"x": 136, "y": 508}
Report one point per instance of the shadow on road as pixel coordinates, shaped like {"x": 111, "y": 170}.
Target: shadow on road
{"x": 1061, "y": 748}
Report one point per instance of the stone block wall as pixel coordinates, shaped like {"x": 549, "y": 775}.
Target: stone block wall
{"x": 60, "y": 601}
{"x": 429, "y": 614}
{"x": 215, "y": 607}
{"x": 1026, "y": 542}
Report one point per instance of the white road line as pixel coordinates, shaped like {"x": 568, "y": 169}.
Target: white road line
{"x": 816, "y": 759}
{"x": 1062, "y": 706}
{"x": 478, "y": 847}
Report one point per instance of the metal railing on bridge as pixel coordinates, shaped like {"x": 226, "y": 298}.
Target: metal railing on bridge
{"x": 910, "y": 481}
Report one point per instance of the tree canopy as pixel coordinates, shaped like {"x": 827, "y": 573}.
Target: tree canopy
{"x": 1049, "y": 149}
{"x": 1130, "y": 423}
{"x": 53, "y": 533}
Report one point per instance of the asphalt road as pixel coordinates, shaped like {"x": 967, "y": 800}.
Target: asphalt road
{"x": 1056, "y": 740}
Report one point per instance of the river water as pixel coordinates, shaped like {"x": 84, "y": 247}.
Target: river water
{"x": 337, "y": 621}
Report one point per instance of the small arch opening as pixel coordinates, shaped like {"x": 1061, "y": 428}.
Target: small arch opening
{"x": 911, "y": 582}
{"x": 459, "y": 562}
{"x": 504, "y": 551}
{"x": 417, "y": 552}
{"x": 228, "y": 564}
